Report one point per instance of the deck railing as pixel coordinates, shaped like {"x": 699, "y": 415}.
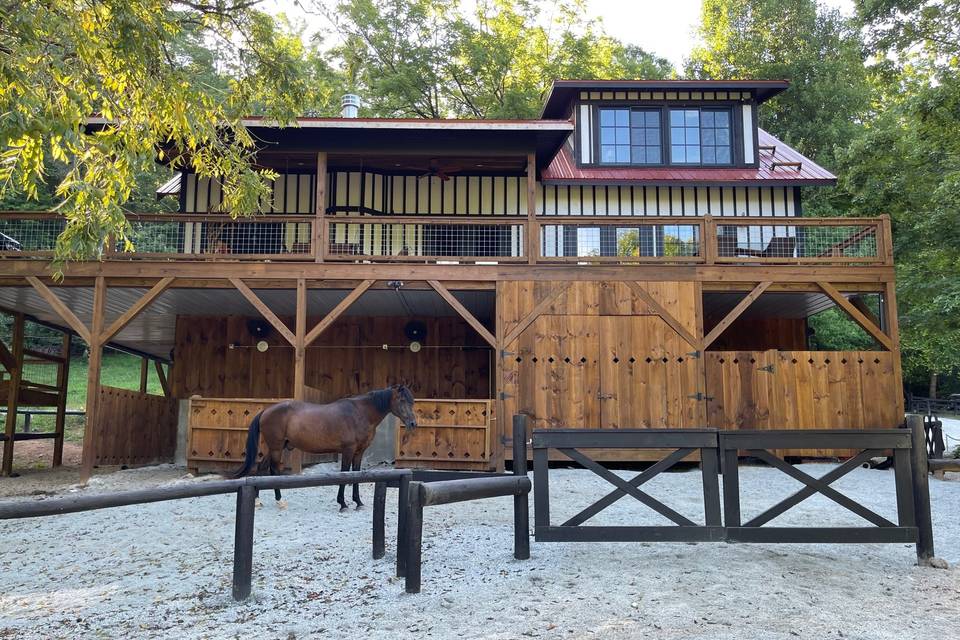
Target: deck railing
{"x": 462, "y": 239}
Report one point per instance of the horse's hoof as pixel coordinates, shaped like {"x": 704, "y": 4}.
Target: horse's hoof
{"x": 282, "y": 505}
{"x": 359, "y": 506}
{"x": 343, "y": 508}
{"x": 257, "y": 503}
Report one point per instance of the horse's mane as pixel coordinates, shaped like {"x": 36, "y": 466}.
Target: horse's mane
{"x": 381, "y": 399}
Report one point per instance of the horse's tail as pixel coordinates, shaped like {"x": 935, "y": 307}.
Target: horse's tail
{"x": 253, "y": 442}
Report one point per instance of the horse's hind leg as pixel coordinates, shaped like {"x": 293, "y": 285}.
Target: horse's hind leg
{"x": 276, "y": 469}
{"x": 357, "y": 458}
{"x": 346, "y": 458}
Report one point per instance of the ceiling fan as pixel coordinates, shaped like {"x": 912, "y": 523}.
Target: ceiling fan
{"x": 435, "y": 169}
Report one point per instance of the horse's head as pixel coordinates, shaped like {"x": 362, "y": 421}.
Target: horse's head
{"x": 401, "y": 405}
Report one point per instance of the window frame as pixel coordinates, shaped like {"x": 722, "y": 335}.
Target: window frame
{"x": 630, "y": 109}
{"x": 700, "y": 163}
{"x": 736, "y": 132}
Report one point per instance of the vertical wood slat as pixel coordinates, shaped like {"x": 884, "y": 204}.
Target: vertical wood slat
{"x": 321, "y": 234}
{"x": 533, "y": 228}
{"x": 13, "y": 393}
{"x": 63, "y": 380}
{"x": 95, "y": 361}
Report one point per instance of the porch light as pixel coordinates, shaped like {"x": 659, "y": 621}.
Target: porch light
{"x": 262, "y": 346}
{"x": 415, "y": 346}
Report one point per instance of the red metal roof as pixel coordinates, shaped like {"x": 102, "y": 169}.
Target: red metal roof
{"x": 564, "y": 170}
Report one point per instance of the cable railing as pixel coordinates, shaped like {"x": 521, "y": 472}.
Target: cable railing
{"x": 462, "y": 239}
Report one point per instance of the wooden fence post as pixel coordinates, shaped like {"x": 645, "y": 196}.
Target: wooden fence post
{"x": 521, "y": 504}
{"x": 403, "y": 504}
{"x": 921, "y": 490}
{"x": 243, "y": 542}
{"x": 379, "y": 509}
{"x": 414, "y": 541}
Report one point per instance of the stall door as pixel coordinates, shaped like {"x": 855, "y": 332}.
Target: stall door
{"x": 648, "y": 375}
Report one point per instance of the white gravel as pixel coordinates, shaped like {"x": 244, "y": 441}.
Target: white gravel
{"x": 163, "y": 570}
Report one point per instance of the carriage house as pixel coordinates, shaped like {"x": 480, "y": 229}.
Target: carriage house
{"x": 636, "y": 257}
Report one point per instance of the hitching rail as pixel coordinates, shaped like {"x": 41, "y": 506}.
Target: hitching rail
{"x": 449, "y": 491}
{"x": 910, "y": 475}
{"x": 246, "y": 490}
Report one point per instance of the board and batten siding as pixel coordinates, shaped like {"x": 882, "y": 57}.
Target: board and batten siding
{"x": 375, "y": 193}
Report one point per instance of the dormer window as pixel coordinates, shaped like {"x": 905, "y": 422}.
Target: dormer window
{"x": 700, "y": 136}
{"x": 630, "y": 136}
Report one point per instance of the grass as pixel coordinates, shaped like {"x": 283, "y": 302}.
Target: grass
{"x": 118, "y": 370}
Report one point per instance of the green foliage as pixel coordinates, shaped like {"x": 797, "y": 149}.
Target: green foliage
{"x": 431, "y": 59}
{"x": 178, "y": 74}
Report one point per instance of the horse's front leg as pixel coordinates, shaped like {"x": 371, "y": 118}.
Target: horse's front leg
{"x": 346, "y": 458}
{"x": 357, "y": 458}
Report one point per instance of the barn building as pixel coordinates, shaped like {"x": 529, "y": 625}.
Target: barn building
{"x": 638, "y": 256}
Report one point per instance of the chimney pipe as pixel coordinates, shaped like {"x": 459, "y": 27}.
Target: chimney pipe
{"x": 350, "y": 105}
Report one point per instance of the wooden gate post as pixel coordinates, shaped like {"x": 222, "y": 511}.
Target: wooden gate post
{"x": 521, "y": 504}
{"x": 403, "y": 507}
{"x": 63, "y": 381}
{"x": 243, "y": 542}
{"x": 414, "y": 538}
{"x": 95, "y": 362}
{"x": 921, "y": 490}
{"x": 13, "y": 394}
{"x": 379, "y": 509}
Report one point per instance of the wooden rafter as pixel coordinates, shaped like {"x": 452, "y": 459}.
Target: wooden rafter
{"x": 667, "y": 317}
{"x": 61, "y": 309}
{"x": 337, "y": 311}
{"x": 536, "y": 312}
{"x": 464, "y": 312}
{"x": 162, "y": 376}
{"x": 264, "y": 310}
{"x": 857, "y": 315}
{"x": 735, "y": 313}
{"x": 7, "y": 359}
{"x": 117, "y": 325}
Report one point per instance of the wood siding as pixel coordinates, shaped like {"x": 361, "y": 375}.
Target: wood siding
{"x": 345, "y": 360}
{"x": 134, "y": 428}
{"x": 450, "y": 434}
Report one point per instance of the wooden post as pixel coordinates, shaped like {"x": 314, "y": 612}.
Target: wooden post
{"x": 379, "y": 509}
{"x": 892, "y": 328}
{"x": 709, "y": 239}
{"x": 403, "y": 506}
{"x": 321, "y": 239}
{"x": 921, "y": 489}
{"x": 521, "y": 504}
{"x": 13, "y": 393}
{"x": 143, "y": 374}
{"x": 63, "y": 380}
{"x": 243, "y": 542}
{"x": 299, "y": 361}
{"x": 414, "y": 541}
{"x": 533, "y": 229}
{"x": 93, "y": 379}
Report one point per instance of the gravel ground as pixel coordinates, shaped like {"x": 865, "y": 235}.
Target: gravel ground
{"x": 163, "y": 570}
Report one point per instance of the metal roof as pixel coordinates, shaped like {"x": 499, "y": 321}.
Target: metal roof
{"x": 171, "y": 187}
{"x": 153, "y": 331}
{"x": 562, "y": 93}
{"x": 564, "y": 170}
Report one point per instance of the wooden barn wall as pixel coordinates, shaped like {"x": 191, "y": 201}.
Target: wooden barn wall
{"x": 346, "y": 359}
{"x": 383, "y": 194}
{"x": 134, "y": 428}
{"x": 600, "y": 357}
{"x": 802, "y": 390}
{"x": 760, "y": 334}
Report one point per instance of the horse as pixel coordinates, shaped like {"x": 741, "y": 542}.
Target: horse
{"x": 345, "y": 426}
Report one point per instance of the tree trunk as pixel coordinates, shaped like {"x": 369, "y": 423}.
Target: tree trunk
{"x": 933, "y": 385}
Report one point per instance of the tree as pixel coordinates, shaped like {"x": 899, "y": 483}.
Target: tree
{"x": 178, "y": 73}
{"x": 814, "y": 48}
{"x": 429, "y": 58}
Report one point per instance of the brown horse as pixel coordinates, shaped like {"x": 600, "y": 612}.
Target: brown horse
{"x": 344, "y": 426}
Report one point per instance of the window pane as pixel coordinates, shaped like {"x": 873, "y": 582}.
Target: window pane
{"x": 707, "y": 119}
{"x": 653, "y": 155}
{"x": 607, "y": 135}
{"x": 676, "y": 117}
{"x": 653, "y": 137}
{"x": 693, "y": 153}
{"x": 693, "y": 136}
{"x": 723, "y": 136}
{"x": 692, "y": 118}
{"x": 707, "y": 136}
{"x": 623, "y": 118}
{"x": 623, "y": 135}
{"x": 606, "y": 118}
{"x": 677, "y": 154}
{"x": 653, "y": 119}
{"x": 677, "y": 135}
{"x": 623, "y": 153}
{"x": 709, "y": 155}
{"x": 721, "y": 118}
{"x": 637, "y": 118}
{"x": 723, "y": 155}
{"x": 608, "y": 153}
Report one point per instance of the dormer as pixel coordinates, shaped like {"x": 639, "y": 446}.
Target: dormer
{"x": 662, "y": 123}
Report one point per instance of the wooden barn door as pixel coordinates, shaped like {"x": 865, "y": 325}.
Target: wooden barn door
{"x": 552, "y": 375}
{"x": 648, "y": 375}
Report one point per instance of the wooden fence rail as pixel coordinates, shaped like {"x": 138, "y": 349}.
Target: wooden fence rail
{"x": 246, "y": 490}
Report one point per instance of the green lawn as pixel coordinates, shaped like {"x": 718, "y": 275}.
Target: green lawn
{"x": 118, "y": 370}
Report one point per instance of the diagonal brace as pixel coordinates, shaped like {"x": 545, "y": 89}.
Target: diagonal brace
{"x": 820, "y": 485}
{"x": 647, "y": 475}
{"x": 626, "y": 487}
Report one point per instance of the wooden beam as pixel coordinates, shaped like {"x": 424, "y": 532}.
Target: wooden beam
{"x": 143, "y": 375}
{"x": 857, "y": 316}
{"x": 63, "y": 383}
{"x": 331, "y": 317}
{"x": 535, "y": 313}
{"x": 320, "y": 233}
{"x": 61, "y": 309}
{"x": 533, "y": 229}
{"x": 117, "y": 325}
{"x": 162, "y": 376}
{"x": 667, "y": 317}
{"x": 299, "y": 359}
{"x": 865, "y": 309}
{"x": 13, "y": 395}
{"x": 734, "y": 313}
{"x": 264, "y": 310}
{"x": 464, "y": 313}
{"x": 7, "y": 359}
{"x": 95, "y": 362}
{"x": 892, "y": 325}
